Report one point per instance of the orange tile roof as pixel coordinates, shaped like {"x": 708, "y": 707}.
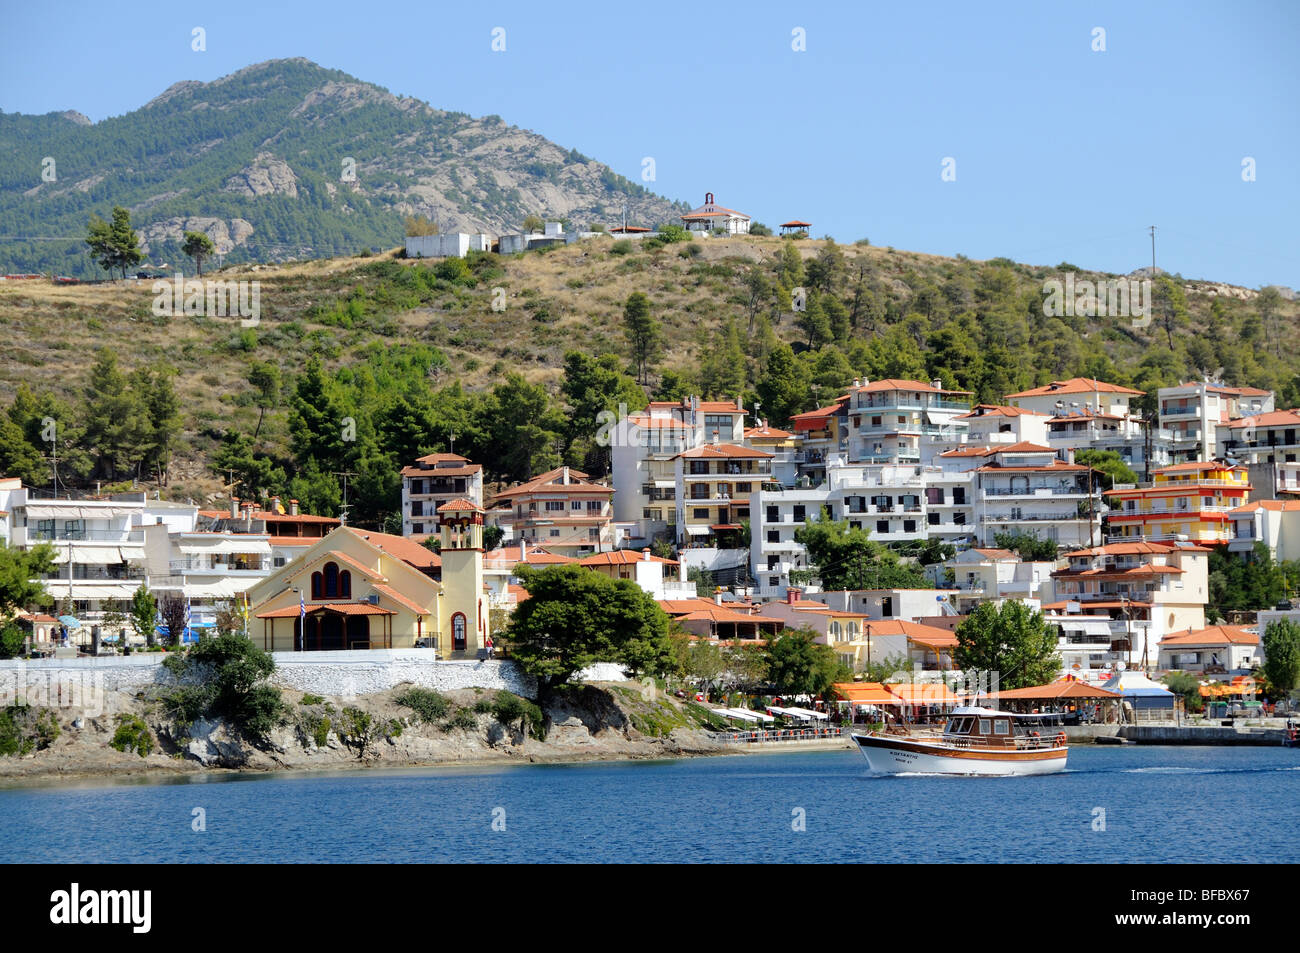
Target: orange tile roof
{"x": 997, "y": 553}
{"x": 431, "y": 472}
{"x": 460, "y": 505}
{"x": 1065, "y": 688}
{"x": 681, "y": 606}
{"x": 765, "y": 432}
{"x": 1196, "y": 466}
{"x": 408, "y": 551}
{"x": 928, "y": 635}
{"x": 1275, "y": 506}
{"x": 343, "y": 608}
{"x": 533, "y": 556}
{"x": 552, "y": 482}
{"x": 400, "y": 599}
{"x": 624, "y": 557}
{"x": 894, "y": 383}
{"x": 999, "y": 410}
{"x": 1274, "y": 418}
{"x": 1213, "y": 635}
{"x": 716, "y": 614}
{"x": 1076, "y": 385}
{"x": 725, "y": 450}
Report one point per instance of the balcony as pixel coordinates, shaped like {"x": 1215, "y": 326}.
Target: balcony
{"x": 1057, "y": 490}
{"x": 117, "y": 537}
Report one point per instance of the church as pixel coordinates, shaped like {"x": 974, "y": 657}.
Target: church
{"x": 358, "y": 589}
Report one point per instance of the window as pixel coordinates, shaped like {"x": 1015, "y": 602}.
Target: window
{"x": 553, "y": 506}
{"x": 882, "y": 526}
{"x": 773, "y": 514}
{"x": 575, "y": 505}
{"x": 645, "y": 513}
{"x": 417, "y": 486}
{"x": 699, "y": 467}
{"x": 959, "y": 495}
{"x": 345, "y": 585}
{"x": 984, "y": 726}
{"x": 722, "y": 423}
{"x": 594, "y": 506}
{"x": 743, "y": 488}
{"x": 909, "y": 526}
{"x": 875, "y": 421}
{"x": 1001, "y": 726}
{"x": 774, "y": 536}
{"x": 417, "y": 508}
{"x": 417, "y": 527}
{"x": 700, "y": 513}
{"x": 555, "y": 533}
{"x": 800, "y": 514}
{"x": 932, "y": 519}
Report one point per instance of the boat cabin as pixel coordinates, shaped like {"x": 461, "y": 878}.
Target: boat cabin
{"x": 987, "y": 727}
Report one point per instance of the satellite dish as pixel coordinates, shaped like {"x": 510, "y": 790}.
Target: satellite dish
{"x": 1119, "y": 666}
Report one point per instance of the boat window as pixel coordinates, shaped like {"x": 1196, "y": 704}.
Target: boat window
{"x": 1001, "y": 726}
{"x": 984, "y": 726}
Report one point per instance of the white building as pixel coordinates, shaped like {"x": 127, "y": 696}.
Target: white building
{"x": 1193, "y": 413}
{"x": 711, "y": 216}
{"x": 1027, "y": 488}
{"x": 435, "y": 479}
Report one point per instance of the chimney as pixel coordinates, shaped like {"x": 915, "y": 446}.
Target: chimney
{"x": 715, "y": 438}
{"x": 565, "y": 478}
{"x": 937, "y": 385}
{"x": 234, "y": 507}
{"x": 740, "y": 404}
{"x": 523, "y": 550}
{"x": 293, "y": 507}
{"x": 792, "y": 595}
{"x": 275, "y": 504}
{"x": 645, "y": 555}
{"x": 857, "y": 382}
{"x": 717, "y": 597}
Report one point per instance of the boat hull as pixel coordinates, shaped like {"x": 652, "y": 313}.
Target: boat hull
{"x": 898, "y": 755}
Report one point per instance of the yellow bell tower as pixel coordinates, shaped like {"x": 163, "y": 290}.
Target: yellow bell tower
{"x": 462, "y": 610}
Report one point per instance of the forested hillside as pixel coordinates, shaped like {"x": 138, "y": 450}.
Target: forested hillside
{"x": 286, "y": 160}
{"x": 361, "y": 364}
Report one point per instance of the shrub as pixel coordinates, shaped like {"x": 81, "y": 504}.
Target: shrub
{"x": 24, "y": 729}
{"x": 463, "y": 719}
{"x": 313, "y": 727}
{"x": 621, "y": 247}
{"x": 510, "y": 708}
{"x": 310, "y": 699}
{"x": 429, "y": 705}
{"x": 132, "y": 735}
{"x": 228, "y": 674}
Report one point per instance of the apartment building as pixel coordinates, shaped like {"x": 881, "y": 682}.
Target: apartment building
{"x": 1271, "y": 437}
{"x": 1028, "y": 488}
{"x": 564, "y": 510}
{"x": 991, "y": 575}
{"x": 1075, "y": 394}
{"x": 1194, "y": 412}
{"x": 1215, "y": 650}
{"x": 1117, "y": 601}
{"x": 1275, "y": 523}
{"x": 433, "y": 480}
{"x": 890, "y": 420}
{"x": 1126, "y": 435}
{"x": 823, "y": 436}
{"x": 661, "y": 578}
{"x": 644, "y": 447}
{"x": 713, "y": 485}
{"x": 1189, "y": 501}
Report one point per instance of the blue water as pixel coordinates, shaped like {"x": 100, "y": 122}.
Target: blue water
{"x": 1235, "y": 805}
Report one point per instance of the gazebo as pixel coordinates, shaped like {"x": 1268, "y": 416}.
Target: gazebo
{"x": 1066, "y": 696}
{"x": 794, "y": 226}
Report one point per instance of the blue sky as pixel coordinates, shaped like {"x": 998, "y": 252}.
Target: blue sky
{"x": 1062, "y": 153}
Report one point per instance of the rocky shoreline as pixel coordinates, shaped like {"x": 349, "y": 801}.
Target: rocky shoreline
{"x": 602, "y": 723}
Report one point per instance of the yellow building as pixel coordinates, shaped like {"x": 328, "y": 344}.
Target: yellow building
{"x": 356, "y": 589}
{"x": 1191, "y": 501}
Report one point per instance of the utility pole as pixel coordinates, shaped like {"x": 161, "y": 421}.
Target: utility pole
{"x": 343, "y": 510}
{"x": 1153, "y": 253}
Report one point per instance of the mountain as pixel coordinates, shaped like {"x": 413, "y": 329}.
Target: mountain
{"x": 285, "y": 160}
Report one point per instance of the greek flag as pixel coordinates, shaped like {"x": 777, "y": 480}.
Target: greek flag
{"x": 189, "y": 633}
{"x": 302, "y": 622}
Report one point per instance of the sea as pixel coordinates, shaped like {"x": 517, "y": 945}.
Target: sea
{"x": 1113, "y": 804}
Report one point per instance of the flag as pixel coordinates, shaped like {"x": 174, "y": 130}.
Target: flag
{"x": 302, "y": 621}
{"x": 188, "y": 616}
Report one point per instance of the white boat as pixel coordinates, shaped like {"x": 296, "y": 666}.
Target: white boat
{"x": 975, "y": 741}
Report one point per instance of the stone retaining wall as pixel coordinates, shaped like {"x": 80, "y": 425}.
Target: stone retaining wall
{"x": 344, "y": 673}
